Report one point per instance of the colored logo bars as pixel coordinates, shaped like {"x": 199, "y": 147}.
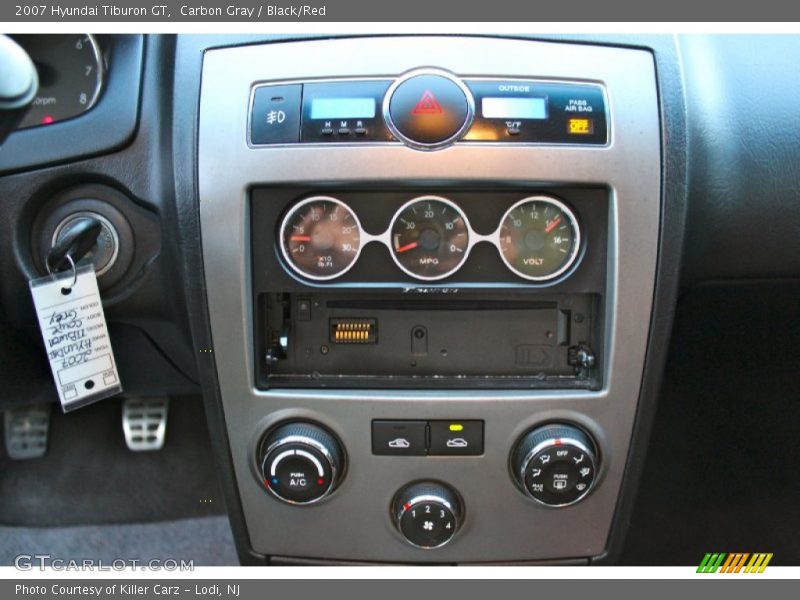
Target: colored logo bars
{"x": 734, "y": 563}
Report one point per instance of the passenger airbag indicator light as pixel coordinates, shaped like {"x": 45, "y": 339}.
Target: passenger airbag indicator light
{"x": 580, "y": 126}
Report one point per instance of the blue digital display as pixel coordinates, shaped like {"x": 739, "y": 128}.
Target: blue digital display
{"x": 342, "y": 108}
{"x": 514, "y": 108}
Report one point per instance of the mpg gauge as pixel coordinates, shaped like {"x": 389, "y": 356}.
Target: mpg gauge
{"x": 539, "y": 238}
{"x": 320, "y": 238}
{"x": 429, "y": 238}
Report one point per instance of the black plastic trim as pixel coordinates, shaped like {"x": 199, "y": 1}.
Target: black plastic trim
{"x": 674, "y": 158}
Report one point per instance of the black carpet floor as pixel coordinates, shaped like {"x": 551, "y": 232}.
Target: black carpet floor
{"x": 206, "y": 541}
{"x": 90, "y": 477}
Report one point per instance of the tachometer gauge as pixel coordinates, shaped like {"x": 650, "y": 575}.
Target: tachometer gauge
{"x": 429, "y": 238}
{"x": 71, "y": 72}
{"x": 539, "y": 238}
{"x": 320, "y": 238}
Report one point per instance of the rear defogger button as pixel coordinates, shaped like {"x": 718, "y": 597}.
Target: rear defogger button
{"x": 463, "y": 438}
{"x": 428, "y": 109}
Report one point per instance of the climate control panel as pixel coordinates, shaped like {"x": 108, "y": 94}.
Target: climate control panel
{"x": 301, "y": 463}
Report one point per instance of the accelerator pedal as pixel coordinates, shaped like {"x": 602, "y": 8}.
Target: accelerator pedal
{"x": 144, "y": 423}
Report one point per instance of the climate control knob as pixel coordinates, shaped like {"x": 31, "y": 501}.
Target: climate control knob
{"x": 427, "y": 513}
{"x": 555, "y": 464}
{"x": 301, "y": 463}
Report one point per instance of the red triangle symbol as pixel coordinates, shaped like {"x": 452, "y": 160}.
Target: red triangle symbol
{"x": 427, "y": 105}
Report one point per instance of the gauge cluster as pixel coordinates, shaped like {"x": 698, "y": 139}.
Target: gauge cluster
{"x": 536, "y": 239}
{"x": 90, "y": 96}
{"x": 72, "y": 71}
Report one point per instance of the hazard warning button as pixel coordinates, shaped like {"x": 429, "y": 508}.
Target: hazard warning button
{"x": 428, "y": 110}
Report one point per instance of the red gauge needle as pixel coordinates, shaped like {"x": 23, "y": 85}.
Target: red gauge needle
{"x": 410, "y": 246}
{"x": 553, "y": 225}
{"x": 300, "y": 238}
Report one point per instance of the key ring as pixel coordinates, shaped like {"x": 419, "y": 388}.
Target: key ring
{"x": 71, "y": 262}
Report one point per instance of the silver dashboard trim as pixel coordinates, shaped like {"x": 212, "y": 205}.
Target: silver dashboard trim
{"x": 629, "y": 166}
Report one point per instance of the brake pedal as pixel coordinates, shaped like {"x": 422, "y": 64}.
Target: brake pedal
{"x": 144, "y": 423}
{"x": 26, "y": 432}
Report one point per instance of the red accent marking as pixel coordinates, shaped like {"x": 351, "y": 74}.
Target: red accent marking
{"x": 558, "y": 442}
{"x": 320, "y": 481}
{"x": 407, "y": 505}
{"x": 266, "y": 482}
{"x": 47, "y": 120}
{"x": 427, "y": 105}
{"x": 300, "y": 238}
{"x": 553, "y": 225}
{"x": 410, "y": 246}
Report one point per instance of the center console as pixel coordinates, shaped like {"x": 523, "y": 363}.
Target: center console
{"x": 430, "y": 265}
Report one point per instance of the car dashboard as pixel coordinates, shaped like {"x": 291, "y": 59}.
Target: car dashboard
{"x": 424, "y": 284}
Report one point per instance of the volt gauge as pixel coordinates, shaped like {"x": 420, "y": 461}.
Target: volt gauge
{"x": 539, "y": 238}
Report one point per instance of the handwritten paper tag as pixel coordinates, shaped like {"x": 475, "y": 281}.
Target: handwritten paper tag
{"x": 76, "y": 338}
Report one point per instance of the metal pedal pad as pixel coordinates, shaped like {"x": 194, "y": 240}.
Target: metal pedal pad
{"x": 26, "y": 432}
{"x": 144, "y": 423}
